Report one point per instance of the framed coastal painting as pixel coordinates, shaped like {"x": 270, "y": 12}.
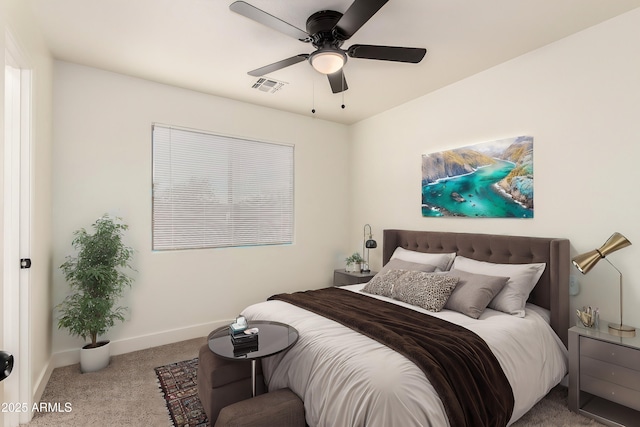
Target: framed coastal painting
{"x": 488, "y": 180}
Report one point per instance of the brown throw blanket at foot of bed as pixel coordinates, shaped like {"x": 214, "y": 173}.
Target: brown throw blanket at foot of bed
{"x": 457, "y": 362}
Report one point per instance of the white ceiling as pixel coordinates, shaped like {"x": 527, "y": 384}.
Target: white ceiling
{"x": 203, "y": 46}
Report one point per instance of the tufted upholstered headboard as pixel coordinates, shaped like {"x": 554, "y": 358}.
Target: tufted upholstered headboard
{"x": 552, "y": 290}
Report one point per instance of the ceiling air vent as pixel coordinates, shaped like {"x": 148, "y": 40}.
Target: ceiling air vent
{"x": 268, "y": 85}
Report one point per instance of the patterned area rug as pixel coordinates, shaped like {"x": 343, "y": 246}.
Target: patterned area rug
{"x": 179, "y": 388}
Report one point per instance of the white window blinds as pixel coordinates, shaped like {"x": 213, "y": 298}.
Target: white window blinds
{"x": 216, "y": 191}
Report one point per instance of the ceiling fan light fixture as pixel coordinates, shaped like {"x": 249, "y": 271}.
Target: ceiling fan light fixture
{"x": 327, "y": 61}
{"x": 327, "y": 30}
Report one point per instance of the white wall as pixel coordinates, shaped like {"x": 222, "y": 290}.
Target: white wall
{"x": 580, "y": 99}
{"x": 102, "y": 164}
{"x": 16, "y": 20}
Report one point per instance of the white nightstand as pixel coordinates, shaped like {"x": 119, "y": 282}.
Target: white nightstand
{"x": 604, "y": 376}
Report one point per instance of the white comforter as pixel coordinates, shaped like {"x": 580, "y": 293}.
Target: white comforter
{"x": 347, "y": 379}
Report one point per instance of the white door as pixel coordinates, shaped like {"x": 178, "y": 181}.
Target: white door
{"x": 14, "y": 312}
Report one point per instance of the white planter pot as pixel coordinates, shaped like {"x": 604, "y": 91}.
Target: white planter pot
{"x": 353, "y": 268}
{"x": 94, "y": 359}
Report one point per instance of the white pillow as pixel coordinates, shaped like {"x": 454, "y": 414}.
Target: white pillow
{"x": 442, "y": 262}
{"x": 522, "y": 279}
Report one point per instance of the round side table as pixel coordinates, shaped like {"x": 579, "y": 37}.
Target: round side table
{"x": 273, "y": 338}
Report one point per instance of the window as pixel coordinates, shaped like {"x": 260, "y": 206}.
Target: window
{"x": 216, "y": 191}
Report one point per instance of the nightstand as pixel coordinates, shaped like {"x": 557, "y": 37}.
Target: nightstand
{"x": 604, "y": 376}
{"x": 343, "y": 277}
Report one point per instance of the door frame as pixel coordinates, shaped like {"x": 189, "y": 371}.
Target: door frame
{"x": 17, "y": 224}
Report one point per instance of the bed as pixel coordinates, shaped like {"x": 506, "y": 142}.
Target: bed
{"x": 346, "y": 378}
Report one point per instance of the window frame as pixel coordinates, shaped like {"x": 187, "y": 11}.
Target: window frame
{"x": 231, "y": 206}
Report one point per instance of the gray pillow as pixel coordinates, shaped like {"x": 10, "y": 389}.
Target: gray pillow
{"x": 400, "y": 264}
{"x": 473, "y": 292}
{"x": 382, "y": 283}
{"x": 427, "y": 290}
{"x": 522, "y": 279}
{"x": 442, "y": 261}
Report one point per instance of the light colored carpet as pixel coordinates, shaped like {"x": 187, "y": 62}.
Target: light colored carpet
{"x": 553, "y": 410}
{"x": 126, "y": 393}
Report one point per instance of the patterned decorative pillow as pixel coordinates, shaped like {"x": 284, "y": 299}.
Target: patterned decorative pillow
{"x": 427, "y": 290}
{"x": 382, "y": 284}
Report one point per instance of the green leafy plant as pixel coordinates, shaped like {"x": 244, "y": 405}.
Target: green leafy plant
{"x": 97, "y": 279}
{"x": 355, "y": 258}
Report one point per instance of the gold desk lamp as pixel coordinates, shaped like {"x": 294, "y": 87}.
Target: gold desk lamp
{"x": 586, "y": 261}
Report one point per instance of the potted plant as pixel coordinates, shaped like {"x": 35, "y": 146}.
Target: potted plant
{"x": 353, "y": 262}
{"x": 97, "y": 279}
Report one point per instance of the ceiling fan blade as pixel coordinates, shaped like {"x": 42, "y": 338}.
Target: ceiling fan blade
{"x": 387, "y": 53}
{"x": 355, "y": 17}
{"x": 337, "y": 81}
{"x": 278, "y": 65}
{"x": 262, "y": 17}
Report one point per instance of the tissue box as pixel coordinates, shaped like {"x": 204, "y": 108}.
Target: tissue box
{"x": 235, "y": 329}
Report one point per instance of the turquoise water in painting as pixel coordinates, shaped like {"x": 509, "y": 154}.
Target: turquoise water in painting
{"x": 481, "y": 197}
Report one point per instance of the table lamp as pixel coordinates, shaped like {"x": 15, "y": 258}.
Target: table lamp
{"x": 586, "y": 261}
{"x": 367, "y": 243}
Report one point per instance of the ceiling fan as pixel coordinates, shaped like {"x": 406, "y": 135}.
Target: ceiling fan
{"x": 327, "y": 30}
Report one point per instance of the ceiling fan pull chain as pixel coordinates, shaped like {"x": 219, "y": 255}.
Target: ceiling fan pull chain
{"x": 313, "y": 95}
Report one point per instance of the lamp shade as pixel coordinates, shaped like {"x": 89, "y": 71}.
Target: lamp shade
{"x": 586, "y": 261}
{"x": 615, "y": 242}
{"x": 371, "y": 244}
{"x": 327, "y": 61}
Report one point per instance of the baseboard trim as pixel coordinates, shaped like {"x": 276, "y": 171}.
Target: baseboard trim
{"x": 42, "y": 381}
{"x": 71, "y": 357}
